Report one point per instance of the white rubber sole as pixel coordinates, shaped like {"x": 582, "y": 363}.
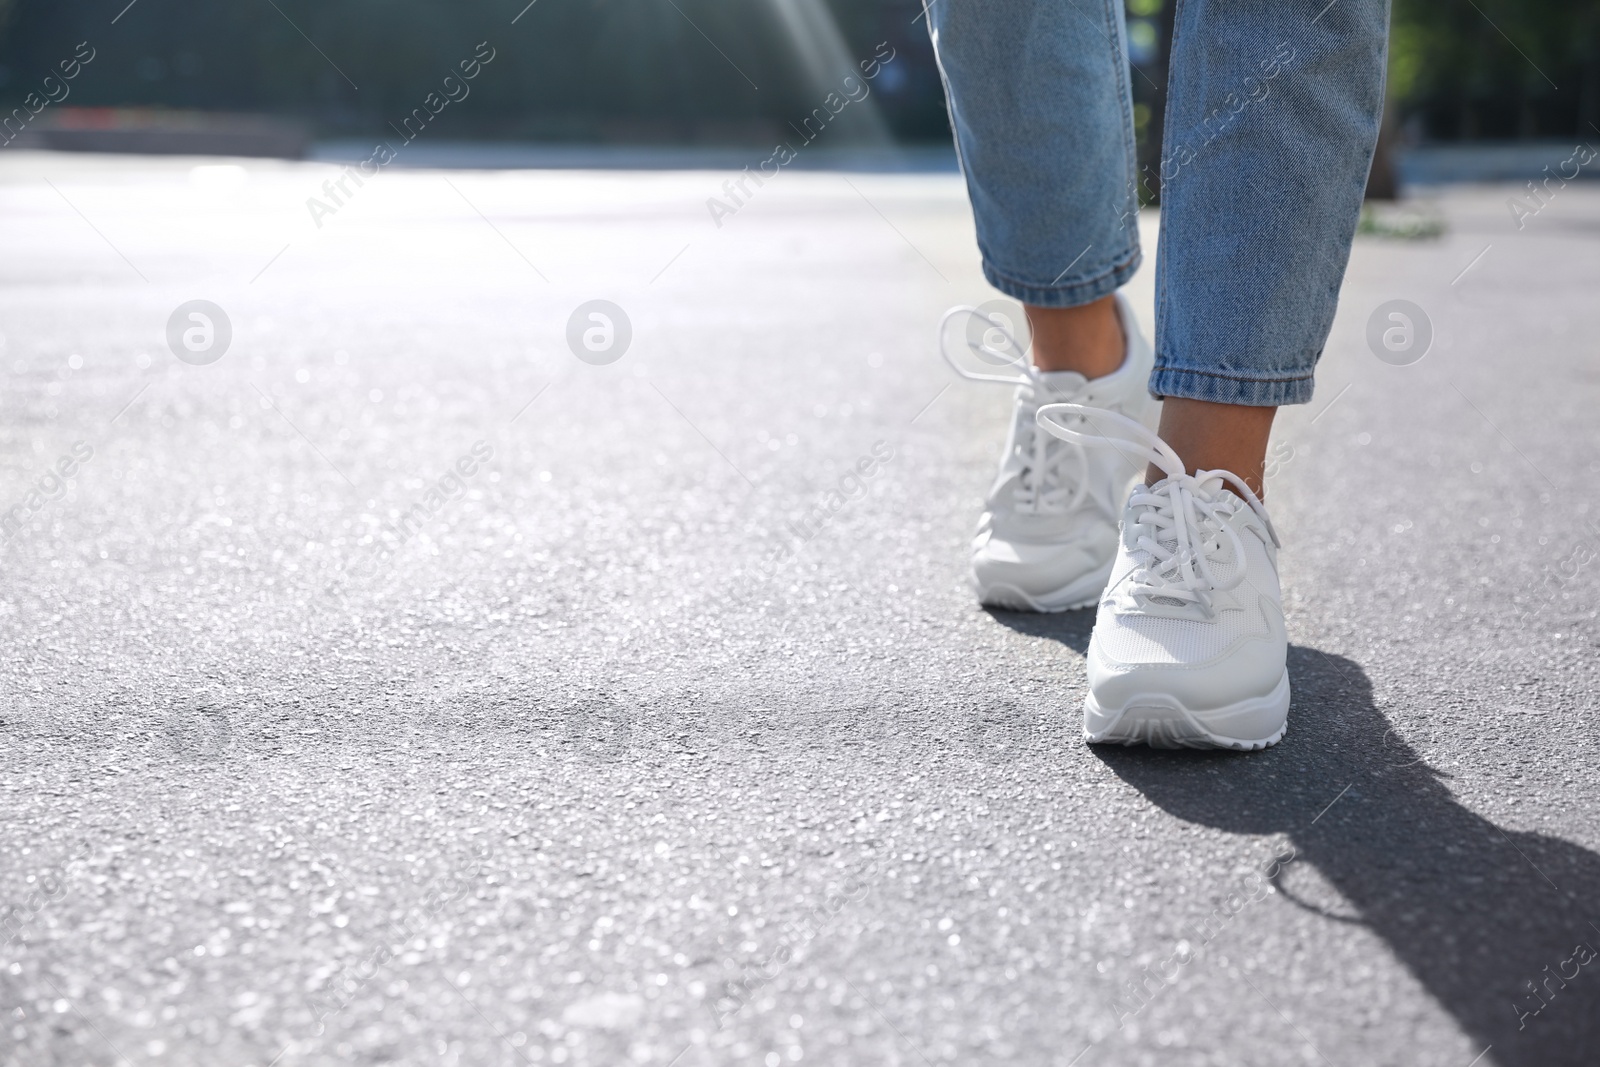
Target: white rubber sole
{"x": 1160, "y": 721}
{"x": 1083, "y": 593}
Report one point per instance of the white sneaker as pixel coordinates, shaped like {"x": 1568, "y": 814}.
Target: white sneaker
{"x": 1048, "y": 533}
{"x": 1189, "y": 647}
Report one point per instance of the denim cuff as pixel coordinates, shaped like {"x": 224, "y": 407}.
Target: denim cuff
{"x": 1229, "y": 388}
{"x": 1070, "y": 294}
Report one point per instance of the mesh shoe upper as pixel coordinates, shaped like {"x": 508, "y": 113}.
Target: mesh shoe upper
{"x": 1192, "y": 613}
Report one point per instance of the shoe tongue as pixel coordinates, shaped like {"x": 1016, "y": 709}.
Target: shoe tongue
{"x": 1214, "y": 488}
{"x": 1061, "y": 382}
{"x": 1211, "y": 487}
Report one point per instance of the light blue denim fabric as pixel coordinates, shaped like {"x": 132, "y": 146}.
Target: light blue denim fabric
{"x": 1272, "y": 115}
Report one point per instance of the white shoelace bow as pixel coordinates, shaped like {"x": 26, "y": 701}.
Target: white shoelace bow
{"x": 1043, "y": 486}
{"x": 1183, "y": 516}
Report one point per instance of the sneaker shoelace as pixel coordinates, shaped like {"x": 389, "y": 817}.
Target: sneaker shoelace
{"x": 1054, "y": 475}
{"x": 1182, "y": 518}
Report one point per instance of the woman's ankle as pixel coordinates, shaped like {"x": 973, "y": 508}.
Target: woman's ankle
{"x": 1207, "y": 436}
{"x": 1088, "y": 339}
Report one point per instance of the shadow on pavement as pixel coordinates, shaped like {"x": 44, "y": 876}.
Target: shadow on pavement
{"x": 1071, "y": 628}
{"x": 1500, "y": 927}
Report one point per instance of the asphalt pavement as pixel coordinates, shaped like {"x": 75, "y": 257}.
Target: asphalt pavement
{"x": 412, "y": 661}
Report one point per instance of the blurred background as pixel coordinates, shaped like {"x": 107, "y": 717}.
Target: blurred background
{"x": 1479, "y": 89}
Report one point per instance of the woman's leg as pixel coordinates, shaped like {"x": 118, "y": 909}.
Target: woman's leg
{"x": 1211, "y": 436}
{"x": 1039, "y": 101}
{"x": 1271, "y": 122}
{"x": 1038, "y": 93}
{"x": 1087, "y": 339}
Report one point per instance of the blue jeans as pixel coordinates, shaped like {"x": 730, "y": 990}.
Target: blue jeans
{"x": 1272, "y": 116}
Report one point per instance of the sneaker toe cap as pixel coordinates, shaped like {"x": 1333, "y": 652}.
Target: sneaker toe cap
{"x": 1249, "y": 669}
